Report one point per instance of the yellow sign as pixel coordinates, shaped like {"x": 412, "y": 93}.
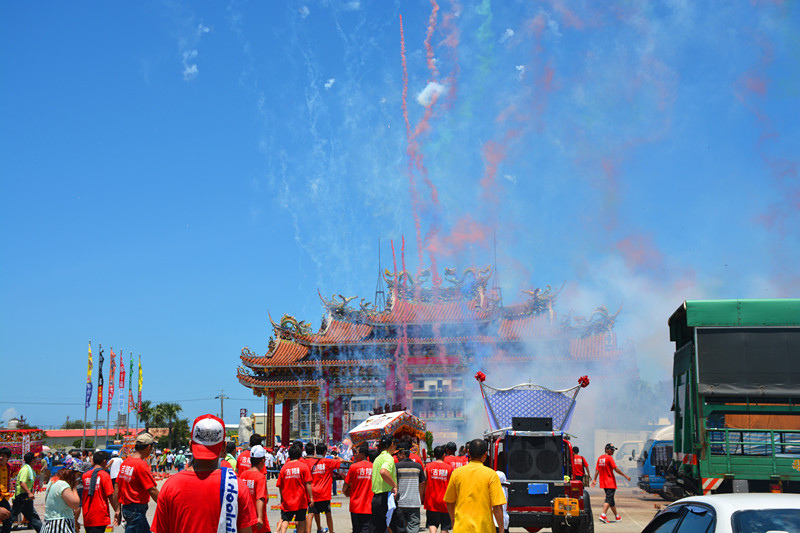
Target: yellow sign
{"x": 796, "y": 464}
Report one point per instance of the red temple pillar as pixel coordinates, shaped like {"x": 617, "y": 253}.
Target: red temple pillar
{"x": 269, "y": 439}
{"x": 338, "y": 412}
{"x": 287, "y": 413}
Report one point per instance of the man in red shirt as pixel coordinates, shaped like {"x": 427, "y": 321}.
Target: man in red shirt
{"x": 580, "y": 466}
{"x": 136, "y": 486}
{"x": 321, "y": 485}
{"x": 206, "y": 498}
{"x": 605, "y": 469}
{"x": 294, "y": 483}
{"x": 243, "y": 461}
{"x": 438, "y": 476}
{"x": 257, "y": 485}
{"x": 98, "y": 492}
{"x": 358, "y": 486}
{"x": 451, "y": 458}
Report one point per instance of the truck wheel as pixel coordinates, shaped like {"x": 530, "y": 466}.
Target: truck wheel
{"x": 588, "y": 526}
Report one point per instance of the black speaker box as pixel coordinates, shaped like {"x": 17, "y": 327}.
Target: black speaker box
{"x": 534, "y": 458}
{"x": 522, "y": 423}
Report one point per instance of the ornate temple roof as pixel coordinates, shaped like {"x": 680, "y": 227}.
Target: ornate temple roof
{"x": 453, "y": 312}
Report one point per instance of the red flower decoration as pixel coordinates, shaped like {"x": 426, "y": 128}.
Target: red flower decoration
{"x": 480, "y": 376}
{"x": 583, "y": 381}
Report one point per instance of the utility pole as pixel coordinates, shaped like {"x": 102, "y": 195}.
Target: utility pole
{"x": 222, "y": 399}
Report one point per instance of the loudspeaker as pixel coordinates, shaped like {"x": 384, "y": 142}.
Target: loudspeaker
{"x": 535, "y": 458}
{"x": 522, "y": 423}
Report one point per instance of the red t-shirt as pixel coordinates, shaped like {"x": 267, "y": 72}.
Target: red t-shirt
{"x": 189, "y": 502}
{"x": 578, "y": 464}
{"x": 243, "y": 463}
{"x": 359, "y": 478}
{"x": 438, "y": 476}
{"x": 257, "y": 485}
{"x": 95, "y": 509}
{"x": 605, "y": 469}
{"x": 322, "y": 478}
{"x": 414, "y": 457}
{"x": 292, "y": 484}
{"x": 456, "y": 460}
{"x": 134, "y": 481}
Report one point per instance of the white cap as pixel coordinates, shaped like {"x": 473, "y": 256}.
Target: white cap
{"x": 258, "y": 451}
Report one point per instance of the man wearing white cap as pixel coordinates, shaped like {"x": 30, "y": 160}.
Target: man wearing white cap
{"x": 206, "y": 498}
{"x": 257, "y": 486}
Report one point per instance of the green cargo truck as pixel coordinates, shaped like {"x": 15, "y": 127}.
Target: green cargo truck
{"x": 736, "y": 386}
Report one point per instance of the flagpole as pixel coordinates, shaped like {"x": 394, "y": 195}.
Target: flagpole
{"x": 110, "y": 388}
{"x": 99, "y": 393}
{"x": 88, "y": 396}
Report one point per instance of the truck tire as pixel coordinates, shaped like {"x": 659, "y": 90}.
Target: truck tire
{"x": 588, "y": 526}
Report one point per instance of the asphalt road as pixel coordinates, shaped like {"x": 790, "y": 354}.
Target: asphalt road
{"x": 636, "y": 508}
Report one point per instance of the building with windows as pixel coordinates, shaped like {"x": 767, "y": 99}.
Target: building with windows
{"x": 419, "y": 352}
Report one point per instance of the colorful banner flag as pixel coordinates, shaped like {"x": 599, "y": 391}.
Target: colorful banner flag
{"x": 89, "y": 378}
{"x": 121, "y": 382}
{"x": 140, "y": 383}
{"x": 131, "y": 404}
{"x": 111, "y": 370}
{"x": 100, "y": 379}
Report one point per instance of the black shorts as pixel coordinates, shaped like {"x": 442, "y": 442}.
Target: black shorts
{"x": 610, "y": 497}
{"x": 298, "y": 516}
{"x": 320, "y": 507}
{"x": 360, "y": 522}
{"x": 435, "y": 519}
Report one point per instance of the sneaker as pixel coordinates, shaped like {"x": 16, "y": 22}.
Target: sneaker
{"x": 619, "y": 518}
{"x": 603, "y": 519}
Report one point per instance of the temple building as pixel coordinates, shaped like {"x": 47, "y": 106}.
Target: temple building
{"x": 419, "y": 351}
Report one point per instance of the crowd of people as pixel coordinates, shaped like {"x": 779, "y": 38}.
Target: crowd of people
{"x": 216, "y": 491}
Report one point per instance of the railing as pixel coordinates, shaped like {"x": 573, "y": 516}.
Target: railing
{"x": 751, "y": 443}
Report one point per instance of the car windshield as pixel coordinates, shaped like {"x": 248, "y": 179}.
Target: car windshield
{"x": 766, "y": 520}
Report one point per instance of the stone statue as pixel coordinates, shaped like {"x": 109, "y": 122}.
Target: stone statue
{"x": 245, "y": 431}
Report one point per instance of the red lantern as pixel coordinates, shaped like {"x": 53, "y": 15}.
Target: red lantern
{"x": 480, "y": 376}
{"x": 583, "y": 381}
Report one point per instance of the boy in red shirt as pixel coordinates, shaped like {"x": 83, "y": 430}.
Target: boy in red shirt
{"x": 580, "y": 466}
{"x": 206, "y": 498}
{"x": 98, "y": 492}
{"x": 136, "y": 486}
{"x": 358, "y": 486}
{"x": 294, "y": 483}
{"x": 257, "y": 485}
{"x": 451, "y": 458}
{"x": 605, "y": 469}
{"x": 438, "y": 476}
{"x": 243, "y": 461}
{"x": 321, "y": 485}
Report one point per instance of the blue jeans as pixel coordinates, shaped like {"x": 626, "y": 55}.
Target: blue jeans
{"x": 135, "y": 515}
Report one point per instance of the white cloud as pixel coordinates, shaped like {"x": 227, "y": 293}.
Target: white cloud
{"x": 201, "y": 29}
{"x": 510, "y": 177}
{"x": 304, "y": 12}
{"x": 521, "y": 70}
{"x": 354, "y": 5}
{"x": 329, "y": 83}
{"x": 508, "y": 34}
{"x": 552, "y": 25}
{"x": 433, "y": 88}
{"x": 190, "y": 70}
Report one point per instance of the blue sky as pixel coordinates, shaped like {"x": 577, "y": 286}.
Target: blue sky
{"x": 170, "y": 173}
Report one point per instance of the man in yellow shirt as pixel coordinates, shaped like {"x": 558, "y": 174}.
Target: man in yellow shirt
{"x": 474, "y": 494}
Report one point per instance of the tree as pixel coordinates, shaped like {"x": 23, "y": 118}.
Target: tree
{"x": 181, "y": 433}
{"x": 168, "y": 412}
{"x": 77, "y": 443}
{"x": 75, "y": 424}
{"x": 147, "y": 414}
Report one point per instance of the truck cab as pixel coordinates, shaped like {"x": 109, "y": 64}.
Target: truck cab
{"x": 654, "y": 461}
{"x": 541, "y": 490}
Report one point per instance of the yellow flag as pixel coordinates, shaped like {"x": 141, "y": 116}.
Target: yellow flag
{"x": 89, "y": 372}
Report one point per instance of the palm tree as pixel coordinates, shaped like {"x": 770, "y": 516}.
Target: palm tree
{"x": 169, "y": 413}
{"x": 147, "y": 414}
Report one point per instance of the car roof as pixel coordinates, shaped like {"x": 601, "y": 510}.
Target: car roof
{"x": 735, "y": 502}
